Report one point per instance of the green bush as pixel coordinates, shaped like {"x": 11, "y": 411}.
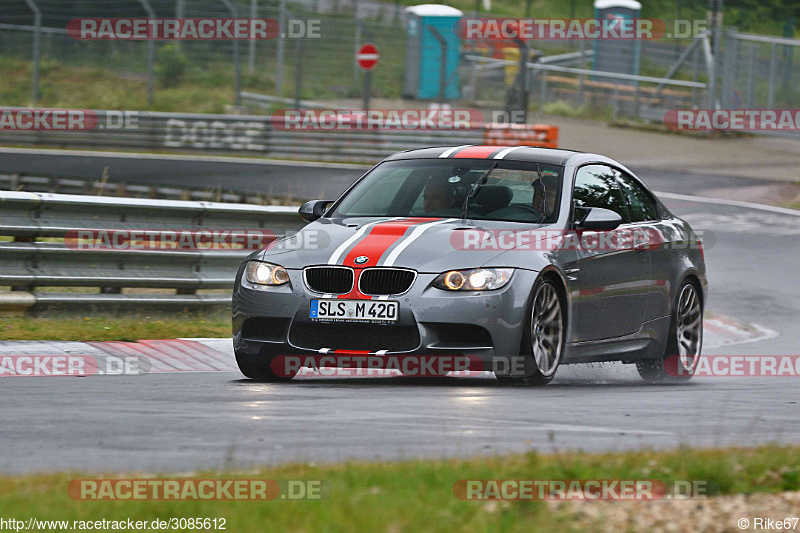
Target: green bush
{"x": 171, "y": 65}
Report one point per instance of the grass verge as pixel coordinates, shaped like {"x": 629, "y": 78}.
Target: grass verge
{"x": 416, "y": 495}
{"x": 94, "y": 328}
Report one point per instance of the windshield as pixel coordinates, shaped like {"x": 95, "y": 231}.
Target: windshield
{"x": 511, "y": 192}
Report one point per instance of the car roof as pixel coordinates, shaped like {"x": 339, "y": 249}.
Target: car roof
{"x": 547, "y": 156}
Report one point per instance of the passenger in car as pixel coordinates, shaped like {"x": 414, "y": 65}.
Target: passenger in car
{"x": 547, "y": 185}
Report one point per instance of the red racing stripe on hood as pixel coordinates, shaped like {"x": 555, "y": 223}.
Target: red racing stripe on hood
{"x": 478, "y": 152}
{"x": 379, "y": 239}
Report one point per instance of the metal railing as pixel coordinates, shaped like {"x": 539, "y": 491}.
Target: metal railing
{"x": 240, "y": 134}
{"x": 101, "y": 187}
{"x": 34, "y": 253}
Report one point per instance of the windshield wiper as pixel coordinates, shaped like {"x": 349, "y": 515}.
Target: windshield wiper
{"x": 474, "y": 190}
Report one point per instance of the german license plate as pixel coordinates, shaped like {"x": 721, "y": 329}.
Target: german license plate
{"x": 354, "y": 310}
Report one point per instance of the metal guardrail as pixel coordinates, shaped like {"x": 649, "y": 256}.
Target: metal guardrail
{"x": 27, "y": 263}
{"x": 100, "y": 187}
{"x": 238, "y": 135}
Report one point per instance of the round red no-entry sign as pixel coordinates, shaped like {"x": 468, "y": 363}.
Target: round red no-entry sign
{"x": 367, "y": 56}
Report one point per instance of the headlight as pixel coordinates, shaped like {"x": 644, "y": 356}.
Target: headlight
{"x": 258, "y": 273}
{"x": 479, "y": 279}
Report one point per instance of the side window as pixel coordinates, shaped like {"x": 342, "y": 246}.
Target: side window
{"x": 641, "y": 204}
{"x": 596, "y": 186}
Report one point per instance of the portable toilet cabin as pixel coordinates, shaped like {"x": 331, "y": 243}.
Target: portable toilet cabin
{"x": 617, "y": 55}
{"x": 424, "y": 51}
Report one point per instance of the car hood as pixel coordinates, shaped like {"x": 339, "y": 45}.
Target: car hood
{"x": 425, "y": 245}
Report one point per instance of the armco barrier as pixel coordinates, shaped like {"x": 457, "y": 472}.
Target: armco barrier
{"x": 256, "y": 135}
{"x": 27, "y": 263}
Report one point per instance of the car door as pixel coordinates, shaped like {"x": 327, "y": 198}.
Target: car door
{"x": 656, "y": 234}
{"x": 613, "y": 281}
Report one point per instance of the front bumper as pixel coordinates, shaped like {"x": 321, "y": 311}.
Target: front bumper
{"x": 484, "y": 324}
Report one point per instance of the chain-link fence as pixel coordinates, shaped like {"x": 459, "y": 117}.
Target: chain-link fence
{"x": 314, "y": 59}
{"x": 758, "y": 72}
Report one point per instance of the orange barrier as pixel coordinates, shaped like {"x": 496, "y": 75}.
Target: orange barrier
{"x": 541, "y": 135}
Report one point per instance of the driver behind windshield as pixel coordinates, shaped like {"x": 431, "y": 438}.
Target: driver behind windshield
{"x": 438, "y": 195}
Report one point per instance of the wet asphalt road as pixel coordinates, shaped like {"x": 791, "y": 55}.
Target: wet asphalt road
{"x": 184, "y": 421}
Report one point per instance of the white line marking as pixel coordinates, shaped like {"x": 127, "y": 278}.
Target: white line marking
{"x": 736, "y": 203}
{"x": 353, "y": 238}
{"x": 419, "y": 230}
{"x": 507, "y": 151}
{"x": 447, "y": 153}
{"x": 381, "y": 352}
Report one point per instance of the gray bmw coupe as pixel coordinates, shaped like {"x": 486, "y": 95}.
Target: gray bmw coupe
{"x": 517, "y": 259}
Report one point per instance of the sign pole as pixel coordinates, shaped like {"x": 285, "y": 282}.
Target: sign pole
{"x": 367, "y": 88}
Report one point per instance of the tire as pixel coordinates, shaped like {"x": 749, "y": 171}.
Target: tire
{"x": 684, "y": 341}
{"x": 258, "y": 367}
{"x": 544, "y": 337}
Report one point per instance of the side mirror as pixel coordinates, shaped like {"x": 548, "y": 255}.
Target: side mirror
{"x": 311, "y": 211}
{"x": 599, "y": 219}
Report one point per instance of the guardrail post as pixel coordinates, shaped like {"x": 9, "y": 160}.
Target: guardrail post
{"x": 237, "y": 66}
{"x": 37, "y": 40}
{"x": 151, "y": 55}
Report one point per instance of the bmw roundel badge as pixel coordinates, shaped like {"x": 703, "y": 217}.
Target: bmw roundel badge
{"x": 361, "y": 259}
